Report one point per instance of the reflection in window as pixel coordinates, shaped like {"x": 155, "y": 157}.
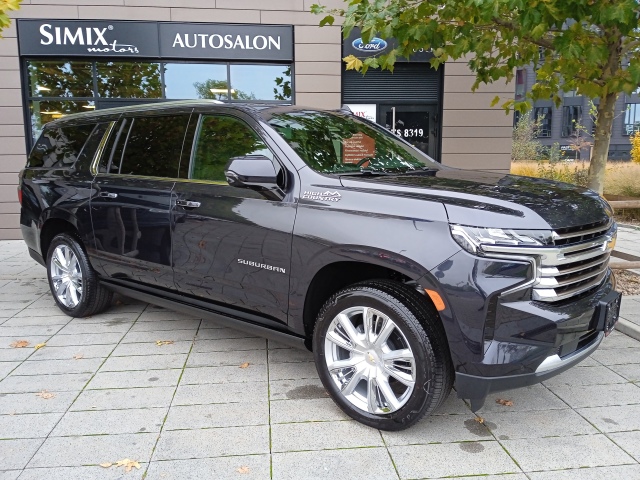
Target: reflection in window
{"x": 129, "y": 80}
{"x": 261, "y": 82}
{"x": 200, "y": 80}
{"x": 44, "y": 111}
{"x": 153, "y": 146}
{"x": 521, "y": 75}
{"x": 59, "y": 147}
{"x": 55, "y": 78}
{"x": 570, "y": 119}
{"x": 631, "y": 118}
{"x": 220, "y": 139}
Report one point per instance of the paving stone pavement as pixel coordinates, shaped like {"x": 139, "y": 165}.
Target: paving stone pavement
{"x": 186, "y": 410}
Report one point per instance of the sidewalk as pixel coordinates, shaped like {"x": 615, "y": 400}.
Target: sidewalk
{"x": 103, "y": 389}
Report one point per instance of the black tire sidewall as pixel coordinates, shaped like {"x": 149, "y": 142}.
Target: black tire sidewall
{"x": 72, "y": 243}
{"x": 421, "y": 397}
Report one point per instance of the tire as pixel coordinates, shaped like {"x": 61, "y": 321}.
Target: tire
{"x": 73, "y": 282}
{"x": 421, "y": 373}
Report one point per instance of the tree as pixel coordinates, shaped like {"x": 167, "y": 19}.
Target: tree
{"x": 220, "y": 87}
{"x": 5, "y": 6}
{"x": 525, "y": 144}
{"x": 590, "y": 46}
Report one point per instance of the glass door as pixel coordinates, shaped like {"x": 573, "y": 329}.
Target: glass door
{"x": 417, "y": 124}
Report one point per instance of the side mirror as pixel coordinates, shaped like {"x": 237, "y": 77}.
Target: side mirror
{"x": 256, "y": 172}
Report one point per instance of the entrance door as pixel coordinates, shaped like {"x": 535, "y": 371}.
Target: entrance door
{"x": 417, "y": 124}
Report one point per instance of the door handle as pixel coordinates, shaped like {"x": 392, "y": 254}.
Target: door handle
{"x": 108, "y": 195}
{"x": 187, "y": 204}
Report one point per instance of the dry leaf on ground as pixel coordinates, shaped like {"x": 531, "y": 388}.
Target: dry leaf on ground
{"x": 46, "y": 395}
{"x": 506, "y": 403}
{"x": 243, "y": 470}
{"x": 479, "y": 420}
{"x": 164, "y": 342}
{"x": 19, "y": 344}
{"x": 39, "y": 346}
{"x": 127, "y": 464}
{"x": 244, "y": 365}
{"x": 78, "y": 356}
{"x": 106, "y": 465}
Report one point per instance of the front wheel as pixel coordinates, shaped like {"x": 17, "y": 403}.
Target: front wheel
{"x": 382, "y": 355}
{"x": 73, "y": 282}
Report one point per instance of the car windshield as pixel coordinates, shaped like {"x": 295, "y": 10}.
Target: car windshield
{"x": 332, "y": 142}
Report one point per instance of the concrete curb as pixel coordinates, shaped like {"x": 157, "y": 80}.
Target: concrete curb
{"x": 628, "y": 328}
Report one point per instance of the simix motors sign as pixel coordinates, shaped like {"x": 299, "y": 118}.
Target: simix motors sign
{"x": 155, "y": 39}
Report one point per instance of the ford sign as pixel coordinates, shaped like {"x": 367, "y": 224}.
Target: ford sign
{"x": 375, "y": 45}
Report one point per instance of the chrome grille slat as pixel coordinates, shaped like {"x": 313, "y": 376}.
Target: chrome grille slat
{"x": 550, "y": 295}
{"x": 553, "y": 271}
{"x": 598, "y": 230}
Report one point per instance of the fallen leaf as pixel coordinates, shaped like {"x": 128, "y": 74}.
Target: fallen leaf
{"x": 46, "y": 395}
{"x": 19, "y": 344}
{"x": 128, "y": 464}
{"x": 106, "y": 465}
{"x": 479, "y": 420}
{"x": 164, "y": 342}
{"x": 506, "y": 403}
{"x": 39, "y": 346}
{"x": 78, "y": 356}
{"x": 243, "y": 470}
{"x": 244, "y": 365}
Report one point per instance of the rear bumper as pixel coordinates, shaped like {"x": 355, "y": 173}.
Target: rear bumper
{"x": 477, "y": 388}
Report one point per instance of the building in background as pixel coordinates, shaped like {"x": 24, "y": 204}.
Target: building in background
{"x": 558, "y": 125}
{"x": 65, "y": 56}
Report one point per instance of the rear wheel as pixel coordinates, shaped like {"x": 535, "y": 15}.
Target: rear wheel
{"x": 73, "y": 282}
{"x": 382, "y": 355}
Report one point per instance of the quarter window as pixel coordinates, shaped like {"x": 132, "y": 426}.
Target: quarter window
{"x": 147, "y": 146}
{"x": 59, "y": 147}
{"x": 221, "y": 138}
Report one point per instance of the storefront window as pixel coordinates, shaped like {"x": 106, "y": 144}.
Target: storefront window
{"x": 129, "y": 80}
{"x": 60, "y": 78}
{"x": 261, "y": 82}
{"x": 199, "y": 80}
{"x": 44, "y": 111}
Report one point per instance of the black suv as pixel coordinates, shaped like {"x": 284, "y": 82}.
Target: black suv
{"x": 323, "y": 230}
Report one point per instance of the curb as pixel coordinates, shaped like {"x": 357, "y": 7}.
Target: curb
{"x": 630, "y": 329}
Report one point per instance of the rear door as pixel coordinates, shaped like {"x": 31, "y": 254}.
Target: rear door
{"x": 130, "y": 209}
{"x": 231, "y": 245}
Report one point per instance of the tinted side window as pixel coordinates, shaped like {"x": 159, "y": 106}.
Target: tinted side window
{"x": 221, "y": 138}
{"x": 59, "y": 147}
{"x": 153, "y": 146}
{"x": 88, "y": 152}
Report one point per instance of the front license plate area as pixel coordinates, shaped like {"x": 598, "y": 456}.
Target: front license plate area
{"x": 608, "y": 313}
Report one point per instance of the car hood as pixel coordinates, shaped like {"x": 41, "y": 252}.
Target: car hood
{"x": 494, "y": 200}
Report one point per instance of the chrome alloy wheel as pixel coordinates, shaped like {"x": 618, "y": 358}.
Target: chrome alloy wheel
{"x": 370, "y": 360}
{"x": 66, "y": 276}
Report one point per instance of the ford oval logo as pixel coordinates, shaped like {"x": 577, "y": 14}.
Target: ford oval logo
{"x": 375, "y": 45}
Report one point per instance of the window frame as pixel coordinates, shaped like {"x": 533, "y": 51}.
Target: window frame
{"x": 570, "y": 119}
{"x": 544, "y": 133}
{"x": 635, "y": 127}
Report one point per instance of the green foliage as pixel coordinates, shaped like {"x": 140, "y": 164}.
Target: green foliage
{"x": 525, "y": 145}
{"x": 5, "y": 7}
{"x": 563, "y": 171}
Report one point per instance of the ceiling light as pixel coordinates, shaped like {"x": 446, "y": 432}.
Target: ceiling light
{"x": 88, "y": 106}
{"x": 221, "y": 90}
{"x": 50, "y": 113}
{"x": 41, "y": 88}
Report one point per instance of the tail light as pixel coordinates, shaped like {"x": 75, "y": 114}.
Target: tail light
{"x": 20, "y": 194}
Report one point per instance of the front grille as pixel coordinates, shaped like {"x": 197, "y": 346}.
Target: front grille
{"x": 577, "y": 264}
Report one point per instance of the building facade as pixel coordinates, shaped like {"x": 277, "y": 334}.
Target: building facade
{"x": 558, "y": 124}
{"x": 65, "y": 56}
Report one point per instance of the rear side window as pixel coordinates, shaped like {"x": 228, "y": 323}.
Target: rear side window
{"x": 146, "y": 146}
{"x": 220, "y": 138}
{"x": 59, "y": 147}
{"x": 91, "y": 146}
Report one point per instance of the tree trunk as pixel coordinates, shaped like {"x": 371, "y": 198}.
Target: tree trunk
{"x": 601, "y": 140}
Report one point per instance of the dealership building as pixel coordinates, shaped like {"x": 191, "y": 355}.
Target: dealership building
{"x": 65, "y": 56}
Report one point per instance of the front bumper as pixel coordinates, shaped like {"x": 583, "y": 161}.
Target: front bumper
{"x": 478, "y": 388}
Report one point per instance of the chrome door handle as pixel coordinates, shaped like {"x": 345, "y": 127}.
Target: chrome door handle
{"x": 108, "y": 195}
{"x": 187, "y": 203}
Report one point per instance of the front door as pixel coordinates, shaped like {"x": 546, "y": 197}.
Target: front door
{"x": 417, "y": 124}
{"x": 231, "y": 246}
{"x": 131, "y": 206}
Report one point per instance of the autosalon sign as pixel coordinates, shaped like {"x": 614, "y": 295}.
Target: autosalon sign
{"x": 97, "y": 38}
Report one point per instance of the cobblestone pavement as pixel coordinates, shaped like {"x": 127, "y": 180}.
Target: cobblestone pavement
{"x": 186, "y": 410}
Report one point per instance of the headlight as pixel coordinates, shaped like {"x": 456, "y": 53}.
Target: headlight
{"x": 473, "y": 238}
